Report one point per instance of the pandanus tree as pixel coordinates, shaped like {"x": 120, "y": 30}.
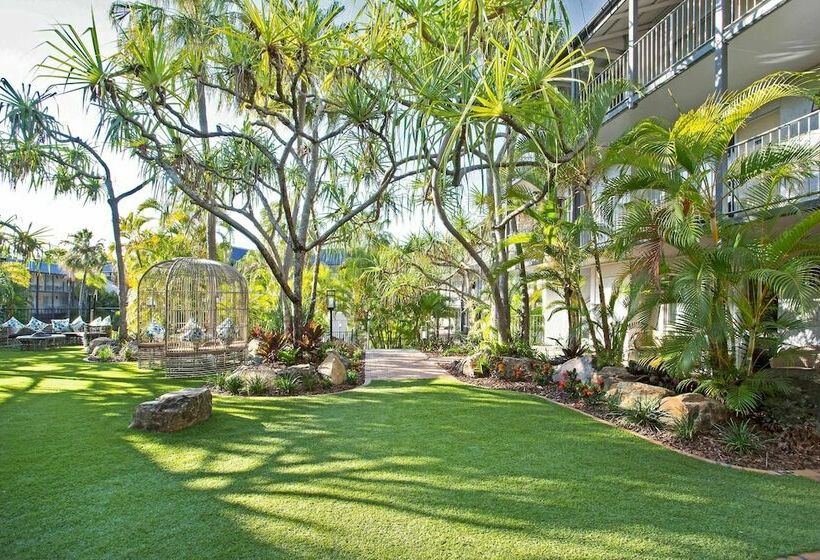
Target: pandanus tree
{"x": 307, "y": 139}
{"x": 730, "y": 270}
{"x": 488, "y": 87}
{"x": 192, "y": 26}
{"x": 38, "y": 150}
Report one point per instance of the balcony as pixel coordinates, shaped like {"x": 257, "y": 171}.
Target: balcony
{"x": 803, "y": 130}
{"x": 675, "y": 42}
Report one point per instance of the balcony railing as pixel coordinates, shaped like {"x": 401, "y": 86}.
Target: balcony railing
{"x": 684, "y": 31}
{"x": 677, "y": 36}
{"x": 739, "y": 8}
{"x": 617, "y": 71}
{"x": 802, "y": 130}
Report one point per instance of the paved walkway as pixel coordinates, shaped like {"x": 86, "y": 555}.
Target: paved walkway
{"x": 400, "y": 364}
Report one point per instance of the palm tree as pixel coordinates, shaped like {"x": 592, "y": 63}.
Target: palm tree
{"x": 83, "y": 256}
{"x": 729, "y": 272}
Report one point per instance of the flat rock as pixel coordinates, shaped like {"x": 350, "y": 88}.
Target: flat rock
{"x": 582, "y": 366}
{"x": 707, "y": 411}
{"x": 174, "y": 411}
{"x": 630, "y": 393}
{"x": 614, "y": 374}
{"x": 612, "y": 371}
{"x": 333, "y": 368}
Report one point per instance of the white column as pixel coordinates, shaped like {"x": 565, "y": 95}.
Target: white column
{"x": 721, "y": 83}
{"x": 631, "y": 48}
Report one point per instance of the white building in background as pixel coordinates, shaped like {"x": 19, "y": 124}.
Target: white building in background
{"x": 681, "y": 52}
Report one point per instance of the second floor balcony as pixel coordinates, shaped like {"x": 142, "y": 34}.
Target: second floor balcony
{"x": 656, "y": 43}
{"x": 744, "y": 201}
{"x": 804, "y": 130}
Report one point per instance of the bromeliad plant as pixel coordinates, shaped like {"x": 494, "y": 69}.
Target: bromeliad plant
{"x": 588, "y": 392}
{"x": 270, "y": 343}
{"x": 730, "y": 272}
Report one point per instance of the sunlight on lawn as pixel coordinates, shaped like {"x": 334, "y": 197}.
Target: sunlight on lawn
{"x": 413, "y": 469}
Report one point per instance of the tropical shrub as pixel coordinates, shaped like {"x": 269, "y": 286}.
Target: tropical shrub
{"x": 730, "y": 272}
{"x": 309, "y": 344}
{"x": 740, "y": 437}
{"x": 570, "y": 350}
{"x": 645, "y": 414}
{"x": 685, "y": 427}
{"x": 270, "y": 343}
{"x": 257, "y": 385}
{"x": 218, "y": 381}
{"x": 543, "y": 373}
{"x": 287, "y": 382}
{"x": 287, "y": 356}
{"x": 574, "y": 387}
{"x": 105, "y": 354}
{"x": 352, "y": 377}
{"x": 233, "y": 384}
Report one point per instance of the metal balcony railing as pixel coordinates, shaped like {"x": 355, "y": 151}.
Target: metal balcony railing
{"x": 680, "y": 35}
{"x": 617, "y": 71}
{"x": 802, "y": 130}
{"x": 674, "y": 38}
{"x": 739, "y": 8}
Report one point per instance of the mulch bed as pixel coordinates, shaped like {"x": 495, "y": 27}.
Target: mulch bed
{"x": 795, "y": 449}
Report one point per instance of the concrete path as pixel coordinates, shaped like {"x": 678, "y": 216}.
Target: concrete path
{"x": 399, "y": 364}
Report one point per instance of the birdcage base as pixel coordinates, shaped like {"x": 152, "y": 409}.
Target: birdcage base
{"x": 151, "y": 356}
{"x": 201, "y": 362}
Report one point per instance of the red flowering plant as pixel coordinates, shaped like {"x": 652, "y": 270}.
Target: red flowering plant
{"x": 589, "y": 392}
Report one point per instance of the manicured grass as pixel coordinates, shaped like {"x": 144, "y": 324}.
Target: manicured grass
{"x": 414, "y": 469}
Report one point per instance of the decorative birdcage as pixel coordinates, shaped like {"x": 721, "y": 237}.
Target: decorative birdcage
{"x": 192, "y": 317}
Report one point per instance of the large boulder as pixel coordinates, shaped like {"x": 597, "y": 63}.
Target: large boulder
{"x": 582, "y": 366}
{"x": 333, "y": 368}
{"x": 614, "y": 374}
{"x": 470, "y": 365}
{"x": 630, "y": 393}
{"x": 253, "y": 352}
{"x": 513, "y": 369}
{"x": 303, "y": 371}
{"x": 175, "y": 411}
{"x": 99, "y": 342}
{"x": 707, "y": 412}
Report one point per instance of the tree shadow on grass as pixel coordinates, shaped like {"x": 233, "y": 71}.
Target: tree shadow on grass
{"x": 414, "y": 468}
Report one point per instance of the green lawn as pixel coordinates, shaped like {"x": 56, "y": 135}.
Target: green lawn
{"x": 415, "y": 469}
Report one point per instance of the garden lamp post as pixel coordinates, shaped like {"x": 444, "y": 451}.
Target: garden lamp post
{"x": 366, "y": 331}
{"x": 331, "y": 305}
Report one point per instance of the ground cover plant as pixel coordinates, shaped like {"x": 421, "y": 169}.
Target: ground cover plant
{"x": 361, "y": 474}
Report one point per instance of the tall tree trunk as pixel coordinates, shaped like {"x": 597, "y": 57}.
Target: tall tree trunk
{"x": 314, "y": 285}
{"x": 122, "y": 283}
{"x": 572, "y": 321}
{"x": 298, "y": 317}
{"x": 81, "y": 302}
{"x": 202, "y": 109}
{"x": 525, "y": 289}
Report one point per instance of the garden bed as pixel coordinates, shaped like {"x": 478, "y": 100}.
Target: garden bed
{"x": 797, "y": 448}
{"x": 269, "y": 373}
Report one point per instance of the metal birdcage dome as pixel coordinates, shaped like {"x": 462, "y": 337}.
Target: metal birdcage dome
{"x": 192, "y": 317}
